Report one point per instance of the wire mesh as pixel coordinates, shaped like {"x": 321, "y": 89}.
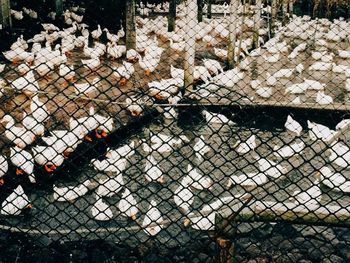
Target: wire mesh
{"x": 190, "y": 125}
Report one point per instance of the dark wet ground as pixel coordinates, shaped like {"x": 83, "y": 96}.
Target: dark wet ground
{"x": 257, "y": 242}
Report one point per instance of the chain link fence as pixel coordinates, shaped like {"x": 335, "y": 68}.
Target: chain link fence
{"x": 194, "y": 131}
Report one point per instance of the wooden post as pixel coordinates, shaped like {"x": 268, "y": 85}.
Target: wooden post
{"x": 59, "y": 7}
{"x": 130, "y": 29}
{"x": 285, "y": 18}
{"x": 291, "y": 8}
{"x": 225, "y": 250}
{"x": 240, "y": 39}
{"x": 190, "y": 43}
{"x": 234, "y": 5}
{"x": 257, "y": 18}
{"x": 5, "y": 15}
{"x": 200, "y": 10}
{"x": 273, "y": 17}
{"x": 172, "y": 15}
{"x": 209, "y": 9}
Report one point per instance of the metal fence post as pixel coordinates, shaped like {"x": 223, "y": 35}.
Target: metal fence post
{"x": 5, "y": 16}
{"x": 291, "y": 7}
{"x": 130, "y": 29}
{"x": 226, "y": 231}
{"x": 234, "y": 5}
{"x": 190, "y": 46}
{"x": 285, "y": 17}
{"x": 273, "y": 16}
{"x": 225, "y": 250}
{"x": 209, "y": 9}
{"x": 200, "y": 10}
{"x": 172, "y": 15}
{"x": 59, "y": 7}
{"x": 257, "y": 17}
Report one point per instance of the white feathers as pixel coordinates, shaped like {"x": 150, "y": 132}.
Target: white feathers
{"x": 321, "y": 66}
{"x": 299, "y": 68}
{"x": 15, "y": 202}
{"x": 128, "y": 205}
{"x": 70, "y": 193}
{"x": 270, "y": 168}
{"x": 247, "y": 146}
{"x": 201, "y": 148}
{"x": 183, "y": 195}
{"x": 308, "y": 84}
{"x": 216, "y": 118}
{"x": 283, "y": 73}
{"x": 101, "y": 211}
{"x": 310, "y": 197}
{"x": 323, "y": 99}
{"x": 124, "y": 151}
{"x": 3, "y": 167}
{"x": 197, "y": 180}
{"x": 340, "y": 154}
{"x": 109, "y": 165}
{"x": 24, "y": 161}
{"x": 248, "y": 179}
{"x": 214, "y": 67}
{"x": 335, "y": 181}
{"x": 289, "y": 150}
{"x": 293, "y": 126}
{"x": 110, "y": 186}
{"x": 319, "y": 131}
{"x": 264, "y": 92}
{"x": 152, "y": 223}
{"x": 152, "y": 170}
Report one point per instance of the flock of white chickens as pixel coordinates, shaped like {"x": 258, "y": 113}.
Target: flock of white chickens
{"x": 48, "y": 56}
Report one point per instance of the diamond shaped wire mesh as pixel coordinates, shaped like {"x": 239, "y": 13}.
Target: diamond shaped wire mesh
{"x": 216, "y": 130}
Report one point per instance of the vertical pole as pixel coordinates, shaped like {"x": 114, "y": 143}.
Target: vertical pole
{"x": 5, "y": 15}
{"x": 285, "y": 12}
{"x": 225, "y": 250}
{"x": 234, "y": 5}
{"x": 172, "y": 15}
{"x": 273, "y": 17}
{"x": 291, "y": 8}
{"x": 209, "y": 9}
{"x": 200, "y": 10}
{"x": 190, "y": 43}
{"x": 257, "y": 19}
{"x": 130, "y": 28}
{"x": 243, "y": 15}
{"x": 59, "y": 7}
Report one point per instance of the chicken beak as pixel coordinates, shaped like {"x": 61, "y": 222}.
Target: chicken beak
{"x": 147, "y": 72}
{"x": 133, "y": 217}
{"x": 104, "y": 134}
{"x": 100, "y": 134}
{"x": 159, "y": 97}
{"x": 318, "y": 175}
{"x": 161, "y": 179}
{"x": 187, "y": 222}
{"x": 19, "y": 171}
{"x": 134, "y": 113}
{"x": 50, "y": 168}
{"x": 2, "y": 181}
{"x": 66, "y": 153}
{"x": 88, "y": 138}
{"x": 122, "y": 82}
